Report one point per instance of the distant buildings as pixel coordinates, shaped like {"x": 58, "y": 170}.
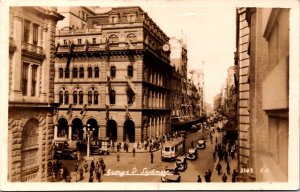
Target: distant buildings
{"x": 31, "y": 91}
{"x": 263, "y": 59}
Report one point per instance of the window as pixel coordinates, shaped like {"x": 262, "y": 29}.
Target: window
{"x": 35, "y": 34}
{"x": 25, "y": 78}
{"x": 33, "y": 80}
{"x": 95, "y": 98}
{"x": 94, "y": 41}
{"x": 75, "y": 72}
{"x": 130, "y": 96}
{"x": 67, "y": 73}
{"x": 80, "y": 97}
{"x": 132, "y": 38}
{"x": 65, "y": 42}
{"x": 130, "y": 71}
{"x": 113, "y": 39}
{"x": 66, "y": 97}
{"x": 96, "y": 72}
{"x": 113, "y": 71}
{"x": 112, "y": 97}
{"x": 61, "y": 97}
{"x": 81, "y": 72}
{"x": 131, "y": 18}
{"x": 75, "y": 97}
{"x": 61, "y": 73}
{"x": 90, "y": 97}
{"x": 90, "y": 72}
{"x": 26, "y": 31}
{"x": 79, "y": 41}
{"x": 114, "y": 19}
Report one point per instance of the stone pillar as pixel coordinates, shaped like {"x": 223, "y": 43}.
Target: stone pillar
{"x": 99, "y": 135}
{"x": 55, "y": 131}
{"x": 70, "y": 132}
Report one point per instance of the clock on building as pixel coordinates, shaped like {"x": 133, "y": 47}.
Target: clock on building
{"x": 166, "y": 47}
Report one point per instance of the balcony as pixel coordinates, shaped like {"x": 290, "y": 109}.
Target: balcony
{"x": 33, "y": 50}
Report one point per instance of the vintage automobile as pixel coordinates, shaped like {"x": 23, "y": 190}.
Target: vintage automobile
{"x": 201, "y": 144}
{"x": 101, "y": 147}
{"x": 181, "y": 163}
{"x": 192, "y": 154}
{"x": 173, "y": 175}
{"x": 65, "y": 154}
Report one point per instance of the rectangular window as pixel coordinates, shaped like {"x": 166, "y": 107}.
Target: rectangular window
{"x": 34, "y": 80}
{"x": 25, "y": 78}
{"x": 26, "y": 31}
{"x": 79, "y": 41}
{"x": 94, "y": 41}
{"x": 35, "y": 34}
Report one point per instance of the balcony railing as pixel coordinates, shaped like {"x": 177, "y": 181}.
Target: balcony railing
{"x": 32, "y": 48}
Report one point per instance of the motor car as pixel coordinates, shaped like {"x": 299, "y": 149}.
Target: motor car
{"x": 182, "y": 134}
{"x": 173, "y": 175}
{"x": 192, "y": 154}
{"x": 181, "y": 163}
{"x": 201, "y": 144}
{"x": 65, "y": 154}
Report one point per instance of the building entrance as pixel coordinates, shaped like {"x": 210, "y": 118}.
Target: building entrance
{"x": 111, "y": 129}
{"x": 77, "y": 129}
{"x": 129, "y": 131}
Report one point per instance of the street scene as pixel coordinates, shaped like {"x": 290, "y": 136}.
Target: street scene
{"x": 123, "y": 92}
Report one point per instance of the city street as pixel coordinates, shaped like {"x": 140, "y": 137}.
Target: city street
{"x": 141, "y": 163}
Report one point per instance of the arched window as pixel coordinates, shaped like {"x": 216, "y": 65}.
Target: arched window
{"x": 96, "y": 72}
{"x": 75, "y": 72}
{"x": 113, "y": 39}
{"x": 75, "y": 97}
{"x": 61, "y": 97}
{"x": 66, "y": 97}
{"x": 130, "y": 96}
{"x": 67, "y": 73}
{"x": 90, "y": 72}
{"x": 95, "y": 98}
{"x": 81, "y": 72}
{"x": 112, "y": 97}
{"x": 90, "y": 97}
{"x": 113, "y": 71}
{"x": 130, "y": 71}
{"x": 29, "y": 150}
{"x": 80, "y": 97}
{"x": 61, "y": 73}
{"x": 132, "y": 38}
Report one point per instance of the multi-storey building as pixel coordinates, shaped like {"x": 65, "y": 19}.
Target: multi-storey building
{"x": 112, "y": 78}
{"x": 31, "y": 91}
{"x": 263, "y": 58}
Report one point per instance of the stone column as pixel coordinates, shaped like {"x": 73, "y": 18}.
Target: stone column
{"x": 55, "y": 131}
{"x": 70, "y": 132}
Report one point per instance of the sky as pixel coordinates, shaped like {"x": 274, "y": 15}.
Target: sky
{"x": 209, "y": 29}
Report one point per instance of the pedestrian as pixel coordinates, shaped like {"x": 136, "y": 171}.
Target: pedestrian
{"x": 118, "y": 156}
{"x": 81, "y": 173}
{"x": 216, "y": 140}
{"x": 76, "y": 167}
{"x": 209, "y": 173}
{"x": 86, "y": 166}
{"x": 234, "y": 175}
{"x": 214, "y": 155}
{"x": 224, "y": 178}
{"x": 91, "y": 179}
{"x": 133, "y": 152}
{"x": 92, "y": 165}
{"x": 219, "y": 168}
{"x": 199, "y": 179}
{"x": 192, "y": 145}
{"x": 206, "y": 177}
{"x": 228, "y": 169}
{"x": 151, "y": 157}
{"x": 78, "y": 155}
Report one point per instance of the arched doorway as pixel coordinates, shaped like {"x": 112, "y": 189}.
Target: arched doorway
{"x": 77, "y": 129}
{"x": 29, "y": 150}
{"x": 62, "y": 128}
{"x": 129, "y": 131}
{"x": 93, "y": 124}
{"x": 111, "y": 129}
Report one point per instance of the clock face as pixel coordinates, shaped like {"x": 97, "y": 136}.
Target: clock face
{"x": 166, "y": 47}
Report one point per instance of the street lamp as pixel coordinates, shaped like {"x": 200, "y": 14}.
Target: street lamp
{"x": 88, "y": 139}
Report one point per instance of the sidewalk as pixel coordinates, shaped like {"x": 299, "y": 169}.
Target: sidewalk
{"x": 233, "y": 163}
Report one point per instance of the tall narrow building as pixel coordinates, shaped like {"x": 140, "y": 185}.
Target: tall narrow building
{"x": 31, "y": 91}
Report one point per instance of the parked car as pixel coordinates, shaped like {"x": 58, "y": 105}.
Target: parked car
{"x": 65, "y": 154}
{"x": 173, "y": 175}
{"x": 201, "y": 144}
{"x": 181, "y": 163}
{"x": 192, "y": 154}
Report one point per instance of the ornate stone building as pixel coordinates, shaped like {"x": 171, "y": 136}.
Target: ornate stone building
{"x": 31, "y": 91}
{"x": 112, "y": 78}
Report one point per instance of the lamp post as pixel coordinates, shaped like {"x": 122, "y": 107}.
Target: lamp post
{"x": 88, "y": 139}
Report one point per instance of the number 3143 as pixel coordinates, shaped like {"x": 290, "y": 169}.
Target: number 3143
{"x": 246, "y": 170}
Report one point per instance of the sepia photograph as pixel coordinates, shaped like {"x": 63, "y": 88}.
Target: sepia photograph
{"x": 149, "y": 95}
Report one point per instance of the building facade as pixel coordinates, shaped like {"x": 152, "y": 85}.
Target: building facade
{"x": 31, "y": 91}
{"x": 263, "y": 49}
{"x": 112, "y": 78}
